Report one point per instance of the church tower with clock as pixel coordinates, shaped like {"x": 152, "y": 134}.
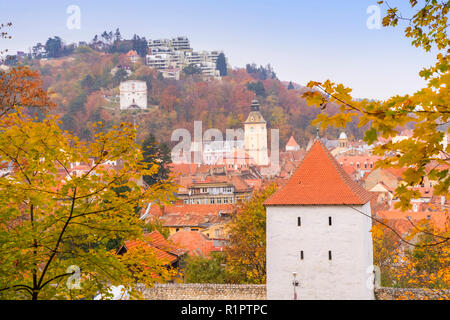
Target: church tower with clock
{"x": 255, "y": 135}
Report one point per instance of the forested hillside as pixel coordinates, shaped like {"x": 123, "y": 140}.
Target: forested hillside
{"x": 86, "y": 91}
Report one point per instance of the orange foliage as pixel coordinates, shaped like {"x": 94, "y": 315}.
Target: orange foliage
{"x": 21, "y": 87}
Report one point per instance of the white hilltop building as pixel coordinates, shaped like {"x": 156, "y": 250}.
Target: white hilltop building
{"x": 255, "y": 136}
{"x": 319, "y": 234}
{"x": 133, "y": 95}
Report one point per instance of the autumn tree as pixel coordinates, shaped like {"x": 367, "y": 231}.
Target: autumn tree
{"x": 423, "y": 154}
{"x": 21, "y": 86}
{"x": 426, "y": 264}
{"x": 246, "y": 253}
{"x": 385, "y": 244}
{"x": 52, "y": 217}
{"x": 200, "y": 269}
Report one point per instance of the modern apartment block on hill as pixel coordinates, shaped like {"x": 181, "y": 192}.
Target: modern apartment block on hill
{"x": 170, "y": 56}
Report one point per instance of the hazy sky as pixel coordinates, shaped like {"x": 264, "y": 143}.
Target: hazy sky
{"x": 303, "y": 40}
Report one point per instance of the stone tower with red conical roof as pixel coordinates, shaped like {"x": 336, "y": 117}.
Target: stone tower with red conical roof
{"x": 318, "y": 227}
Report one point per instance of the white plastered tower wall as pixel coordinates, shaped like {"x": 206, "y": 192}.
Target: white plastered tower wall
{"x": 133, "y": 93}
{"x": 255, "y": 136}
{"x": 346, "y": 276}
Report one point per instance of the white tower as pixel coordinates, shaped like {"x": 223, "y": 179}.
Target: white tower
{"x": 133, "y": 94}
{"x": 318, "y": 226}
{"x": 255, "y": 136}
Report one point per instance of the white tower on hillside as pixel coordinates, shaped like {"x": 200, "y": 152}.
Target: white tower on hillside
{"x": 255, "y": 136}
{"x": 133, "y": 94}
{"x": 318, "y": 228}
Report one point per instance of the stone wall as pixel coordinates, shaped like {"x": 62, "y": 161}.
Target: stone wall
{"x": 199, "y": 291}
{"x": 419, "y": 294}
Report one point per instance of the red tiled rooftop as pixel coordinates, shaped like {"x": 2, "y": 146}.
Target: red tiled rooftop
{"x": 194, "y": 242}
{"x": 183, "y": 168}
{"x": 399, "y": 219}
{"x": 320, "y": 180}
{"x": 163, "y": 249}
{"x": 194, "y": 209}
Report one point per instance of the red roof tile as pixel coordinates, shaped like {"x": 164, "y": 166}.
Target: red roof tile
{"x": 162, "y": 248}
{"x": 194, "y": 241}
{"x": 320, "y": 180}
{"x": 194, "y": 209}
{"x": 407, "y": 220}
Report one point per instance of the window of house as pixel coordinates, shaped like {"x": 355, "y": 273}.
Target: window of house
{"x": 301, "y": 255}
{"x": 299, "y": 221}
{"x": 329, "y": 255}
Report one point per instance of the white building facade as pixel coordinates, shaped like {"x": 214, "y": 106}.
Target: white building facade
{"x": 133, "y": 94}
{"x": 319, "y": 228}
